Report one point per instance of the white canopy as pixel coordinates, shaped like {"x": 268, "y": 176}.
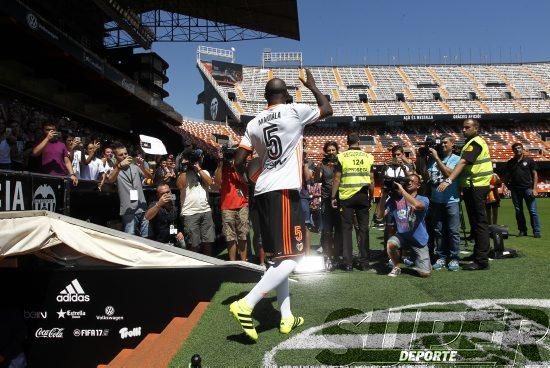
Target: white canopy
{"x": 72, "y": 242}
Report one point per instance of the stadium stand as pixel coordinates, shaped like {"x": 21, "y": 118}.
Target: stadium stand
{"x": 407, "y": 90}
{"x": 372, "y": 92}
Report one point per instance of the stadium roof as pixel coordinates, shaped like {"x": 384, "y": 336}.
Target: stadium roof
{"x": 278, "y": 18}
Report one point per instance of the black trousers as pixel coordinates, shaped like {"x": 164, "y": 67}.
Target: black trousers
{"x": 474, "y": 199}
{"x": 359, "y": 205}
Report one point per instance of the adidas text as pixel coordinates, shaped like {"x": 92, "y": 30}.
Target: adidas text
{"x": 73, "y": 293}
{"x": 73, "y": 298}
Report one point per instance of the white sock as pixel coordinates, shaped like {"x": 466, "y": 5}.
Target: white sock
{"x": 283, "y": 298}
{"x": 273, "y": 277}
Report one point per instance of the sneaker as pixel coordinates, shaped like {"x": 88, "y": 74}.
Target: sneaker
{"x": 439, "y": 264}
{"x": 290, "y": 323}
{"x": 394, "y": 272}
{"x": 453, "y": 265}
{"x": 329, "y": 265}
{"x": 408, "y": 262}
{"x": 243, "y": 314}
{"x": 390, "y": 263}
{"x": 522, "y": 233}
{"x": 536, "y": 235}
{"x": 264, "y": 267}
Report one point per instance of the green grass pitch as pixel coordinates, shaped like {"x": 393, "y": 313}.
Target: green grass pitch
{"x": 358, "y": 318}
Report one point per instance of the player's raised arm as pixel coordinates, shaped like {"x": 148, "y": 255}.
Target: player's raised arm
{"x": 322, "y": 101}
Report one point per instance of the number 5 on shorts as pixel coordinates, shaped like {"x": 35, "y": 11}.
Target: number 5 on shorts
{"x": 298, "y": 232}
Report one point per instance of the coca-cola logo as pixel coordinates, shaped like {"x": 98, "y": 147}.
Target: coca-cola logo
{"x": 54, "y": 333}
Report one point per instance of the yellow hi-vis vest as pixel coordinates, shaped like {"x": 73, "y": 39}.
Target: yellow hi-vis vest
{"x": 480, "y": 172}
{"x": 356, "y": 166}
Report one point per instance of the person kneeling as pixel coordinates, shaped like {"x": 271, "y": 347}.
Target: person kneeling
{"x": 409, "y": 210}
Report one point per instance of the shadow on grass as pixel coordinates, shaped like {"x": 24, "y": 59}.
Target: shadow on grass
{"x": 268, "y": 318}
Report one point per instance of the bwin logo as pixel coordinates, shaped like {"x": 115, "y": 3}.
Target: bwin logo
{"x": 73, "y": 293}
{"x": 44, "y": 198}
{"x": 214, "y": 108}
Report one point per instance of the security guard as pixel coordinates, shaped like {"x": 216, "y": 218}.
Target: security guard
{"x": 352, "y": 182}
{"x": 476, "y": 170}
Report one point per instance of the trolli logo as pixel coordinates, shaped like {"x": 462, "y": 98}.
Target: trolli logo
{"x": 44, "y": 198}
{"x": 73, "y": 293}
{"x": 54, "y": 333}
{"x": 35, "y": 314}
{"x": 125, "y": 332}
{"x": 109, "y": 315}
{"x": 70, "y": 314}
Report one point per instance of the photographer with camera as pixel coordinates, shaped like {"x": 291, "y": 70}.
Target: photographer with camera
{"x": 193, "y": 182}
{"x": 353, "y": 179}
{"x": 54, "y": 154}
{"x": 395, "y": 169}
{"x": 409, "y": 210}
{"x": 233, "y": 204}
{"x": 331, "y": 225}
{"x": 162, "y": 215}
{"x": 444, "y": 206}
{"x": 475, "y": 170}
{"x": 128, "y": 173}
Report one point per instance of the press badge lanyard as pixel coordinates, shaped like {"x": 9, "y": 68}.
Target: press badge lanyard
{"x": 130, "y": 178}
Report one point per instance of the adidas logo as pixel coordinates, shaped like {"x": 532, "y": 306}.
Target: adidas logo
{"x": 73, "y": 293}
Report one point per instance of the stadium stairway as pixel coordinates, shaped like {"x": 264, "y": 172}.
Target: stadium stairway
{"x": 370, "y": 78}
{"x": 157, "y": 350}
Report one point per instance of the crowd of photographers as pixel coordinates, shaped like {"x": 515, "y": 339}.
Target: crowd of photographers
{"x": 419, "y": 205}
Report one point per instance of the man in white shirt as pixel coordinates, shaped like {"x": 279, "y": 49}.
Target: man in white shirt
{"x": 91, "y": 167}
{"x": 276, "y": 134}
{"x": 193, "y": 182}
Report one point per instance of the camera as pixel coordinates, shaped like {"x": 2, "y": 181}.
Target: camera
{"x": 431, "y": 142}
{"x": 228, "y": 153}
{"x": 188, "y": 157}
{"x": 389, "y": 183}
{"x": 329, "y": 158}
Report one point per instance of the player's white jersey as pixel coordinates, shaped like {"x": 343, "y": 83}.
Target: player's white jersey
{"x": 276, "y": 134}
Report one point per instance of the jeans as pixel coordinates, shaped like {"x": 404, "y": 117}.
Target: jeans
{"x": 474, "y": 199}
{"x": 306, "y": 210}
{"x": 131, "y": 221}
{"x": 446, "y": 223}
{"x": 518, "y": 196}
{"x": 359, "y": 205}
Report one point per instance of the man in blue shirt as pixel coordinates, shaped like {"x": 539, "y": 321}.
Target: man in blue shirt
{"x": 444, "y": 206}
{"x": 409, "y": 210}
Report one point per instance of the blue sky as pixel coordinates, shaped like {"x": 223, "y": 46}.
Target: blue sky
{"x": 384, "y": 32}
